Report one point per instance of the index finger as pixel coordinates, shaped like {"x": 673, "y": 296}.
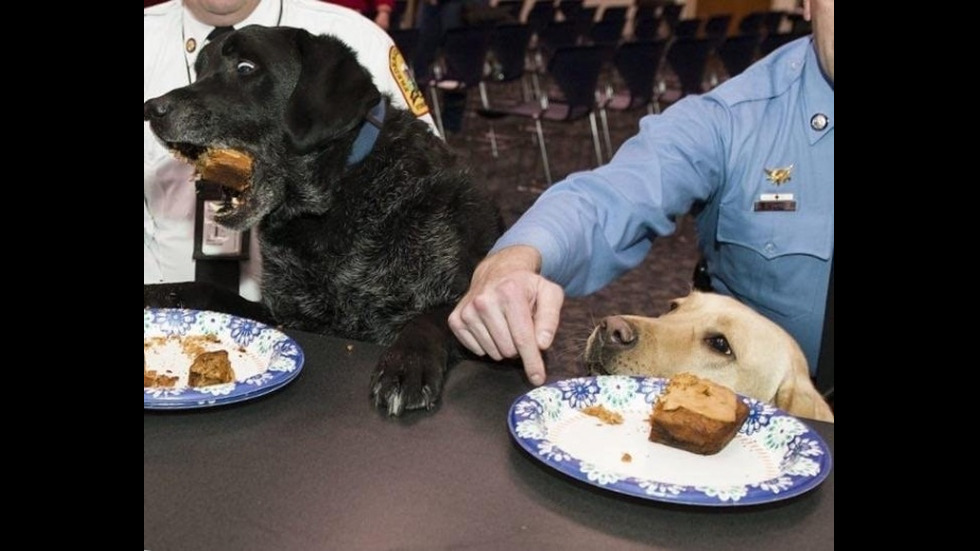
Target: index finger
{"x": 522, "y": 333}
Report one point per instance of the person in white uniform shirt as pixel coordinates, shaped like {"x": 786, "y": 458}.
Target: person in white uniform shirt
{"x": 173, "y": 34}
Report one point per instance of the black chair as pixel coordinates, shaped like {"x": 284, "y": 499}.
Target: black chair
{"x": 463, "y": 56}
{"x": 606, "y": 32}
{"x": 647, "y": 27}
{"x": 570, "y": 10}
{"x": 771, "y": 42}
{"x": 614, "y": 13}
{"x": 647, "y": 9}
{"x": 588, "y": 14}
{"x": 506, "y": 64}
{"x": 574, "y": 71}
{"x": 584, "y": 17}
{"x": 557, "y": 34}
{"x": 716, "y": 27}
{"x": 688, "y": 57}
{"x": 672, "y": 13}
{"x": 738, "y": 52}
{"x": 511, "y": 7}
{"x": 772, "y": 21}
{"x": 638, "y": 65}
{"x": 752, "y": 23}
{"x": 687, "y": 28}
{"x": 798, "y": 25}
{"x": 542, "y": 14}
{"x": 507, "y": 49}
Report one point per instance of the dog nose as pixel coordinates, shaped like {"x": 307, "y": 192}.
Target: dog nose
{"x": 155, "y": 109}
{"x": 617, "y": 332}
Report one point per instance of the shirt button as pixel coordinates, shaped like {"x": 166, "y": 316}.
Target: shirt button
{"x": 819, "y": 121}
{"x": 770, "y": 247}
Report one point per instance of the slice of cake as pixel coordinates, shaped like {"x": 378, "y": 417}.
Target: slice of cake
{"x": 228, "y": 167}
{"x": 211, "y": 368}
{"x": 696, "y": 415}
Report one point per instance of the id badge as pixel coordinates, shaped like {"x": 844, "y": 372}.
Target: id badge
{"x": 775, "y": 202}
{"x": 211, "y": 239}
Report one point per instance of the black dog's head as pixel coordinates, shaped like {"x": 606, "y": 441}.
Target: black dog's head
{"x": 281, "y": 95}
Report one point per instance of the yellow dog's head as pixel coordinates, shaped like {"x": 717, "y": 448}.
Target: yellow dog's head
{"x": 715, "y": 337}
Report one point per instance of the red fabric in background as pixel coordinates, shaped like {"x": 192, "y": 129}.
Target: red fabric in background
{"x": 363, "y": 6}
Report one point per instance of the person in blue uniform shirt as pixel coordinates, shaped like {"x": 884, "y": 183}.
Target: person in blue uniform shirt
{"x": 753, "y": 158}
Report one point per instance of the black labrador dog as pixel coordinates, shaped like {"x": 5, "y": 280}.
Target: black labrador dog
{"x": 370, "y": 241}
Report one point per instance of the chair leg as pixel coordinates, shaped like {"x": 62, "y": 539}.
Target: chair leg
{"x": 493, "y": 142}
{"x": 595, "y": 139}
{"x": 605, "y": 131}
{"x": 535, "y": 85}
{"x": 485, "y": 102}
{"x": 484, "y": 96}
{"x": 436, "y": 113}
{"x": 544, "y": 151}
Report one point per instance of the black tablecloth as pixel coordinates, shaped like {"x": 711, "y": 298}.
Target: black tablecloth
{"x": 314, "y": 466}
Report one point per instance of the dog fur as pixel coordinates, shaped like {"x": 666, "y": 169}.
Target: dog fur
{"x": 378, "y": 250}
{"x": 715, "y": 337}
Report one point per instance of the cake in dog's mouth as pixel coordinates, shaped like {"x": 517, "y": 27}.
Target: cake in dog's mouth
{"x": 229, "y": 168}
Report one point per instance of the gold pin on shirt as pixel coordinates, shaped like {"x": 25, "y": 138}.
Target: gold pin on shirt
{"x": 190, "y": 45}
{"x": 779, "y": 176}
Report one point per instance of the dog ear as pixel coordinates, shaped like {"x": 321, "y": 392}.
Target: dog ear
{"x": 797, "y": 395}
{"x": 332, "y": 95}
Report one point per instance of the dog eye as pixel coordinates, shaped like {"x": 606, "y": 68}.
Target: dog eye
{"x": 245, "y": 67}
{"x": 720, "y": 344}
{"x": 674, "y": 305}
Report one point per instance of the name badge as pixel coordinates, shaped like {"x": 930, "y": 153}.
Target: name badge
{"x": 775, "y": 202}
{"x": 211, "y": 239}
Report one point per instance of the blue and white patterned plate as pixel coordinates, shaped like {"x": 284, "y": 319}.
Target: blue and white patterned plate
{"x": 774, "y": 456}
{"x": 264, "y": 359}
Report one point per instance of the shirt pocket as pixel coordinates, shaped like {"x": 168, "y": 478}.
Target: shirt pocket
{"x": 774, "y": 260}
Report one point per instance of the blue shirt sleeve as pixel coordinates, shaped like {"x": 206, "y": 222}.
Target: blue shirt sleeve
{"x": 717, "y": 151}
{"x": 593, "y": 226}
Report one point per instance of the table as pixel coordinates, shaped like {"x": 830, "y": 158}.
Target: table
{"x": 315, "y": 466}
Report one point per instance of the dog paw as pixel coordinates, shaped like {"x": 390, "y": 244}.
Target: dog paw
{"x": 408, "y": 378}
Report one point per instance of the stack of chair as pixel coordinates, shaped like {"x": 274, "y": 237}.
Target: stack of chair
{"x": 638, "y": 65}
{"x": 463, "y": 58}
{"x": 506, "y": 65}
{"x": 573, "y": 71}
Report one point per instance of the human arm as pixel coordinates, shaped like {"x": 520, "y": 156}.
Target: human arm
{"x": 382, "y": 16}
{"x": 595, "y": 225}
{"x": 585, "y": 231}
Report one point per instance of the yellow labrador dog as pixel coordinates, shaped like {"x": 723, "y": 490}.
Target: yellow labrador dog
{"x": 715, "y": 337}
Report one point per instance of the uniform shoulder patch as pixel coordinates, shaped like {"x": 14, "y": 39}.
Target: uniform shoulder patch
{"x": 406, "y": 83}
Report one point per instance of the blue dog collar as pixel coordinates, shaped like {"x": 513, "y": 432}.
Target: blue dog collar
{"x": 369, "y": 133}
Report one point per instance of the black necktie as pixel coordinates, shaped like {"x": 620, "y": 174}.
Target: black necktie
{"x": 825, "y": 362}
{"x": 223, "y": 271}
